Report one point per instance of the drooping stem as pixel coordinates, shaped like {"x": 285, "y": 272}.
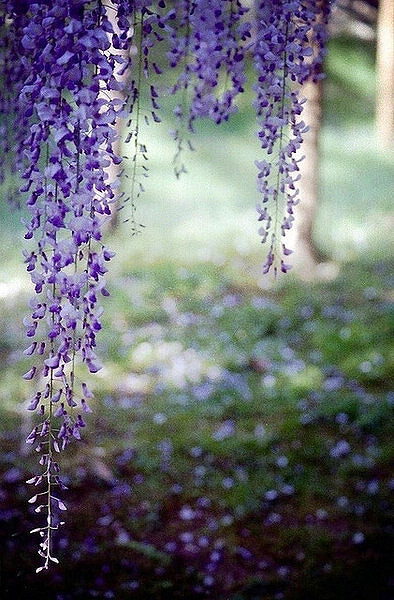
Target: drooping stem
{"x": 278, "y": 192}
{"x": 137, "y": 111}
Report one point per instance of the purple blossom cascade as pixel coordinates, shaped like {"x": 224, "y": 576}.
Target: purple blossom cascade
{"x": 71, "y": 71}
{"x": 207, "y": 48}
{"x": 289, "y": 45}
{"x": 66, "y": 95}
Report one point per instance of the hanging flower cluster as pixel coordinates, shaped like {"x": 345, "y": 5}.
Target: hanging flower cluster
{"x": 287, "y": 35}
{"x": 66, "y": 96}
{"x": 207, "y": 45}
{"x": 71, "y": 70}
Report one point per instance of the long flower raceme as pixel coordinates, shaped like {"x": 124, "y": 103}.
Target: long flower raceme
{"x": 147, "y": 25}
{"x": 72, "y": 71}
{"x": 285, "y": 53}
{"x": 69, "y": 145}
{"x": 207, "y": 50}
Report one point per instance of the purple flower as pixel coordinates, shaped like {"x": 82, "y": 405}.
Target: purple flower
{"x": 70, "y": 72}
{"x": 288, "y": 32}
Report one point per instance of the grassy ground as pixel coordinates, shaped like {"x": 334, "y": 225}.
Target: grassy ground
{"x": 241, "y": 440}
{"x": 240, "y": 445}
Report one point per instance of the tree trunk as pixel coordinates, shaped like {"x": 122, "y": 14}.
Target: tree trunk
{"x": 307, "y": 260}
{"x": 385, "y": 74}
{"x": 305, "y": 257}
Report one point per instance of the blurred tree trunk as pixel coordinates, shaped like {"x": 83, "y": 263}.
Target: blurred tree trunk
{"x": 385, "y": 74}
{"x": 306, "y": 257}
